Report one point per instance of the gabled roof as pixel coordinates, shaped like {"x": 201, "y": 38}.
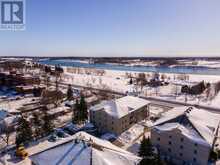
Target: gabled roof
{"x": 99, "y": 152}
{"x": 122, "y": 106}
{"x": 201, "y": 123}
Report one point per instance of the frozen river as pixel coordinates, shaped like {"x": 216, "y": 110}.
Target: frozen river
{"x": 161, "y": 69}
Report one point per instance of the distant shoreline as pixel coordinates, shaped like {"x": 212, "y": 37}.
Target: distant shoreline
{"x": 186, "y": 66}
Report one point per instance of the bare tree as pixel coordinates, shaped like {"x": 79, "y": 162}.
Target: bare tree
{"x": 208, "y": 90}
{"x": 163, "y": 77}
{"x": 157, "y": 89}
{"x": 58, "y": 78}
{"x": 6, "y": 132}
{"x": 217, "y": 88}
{"x": 141, "y": 80}
{"x": 100, "y": 80}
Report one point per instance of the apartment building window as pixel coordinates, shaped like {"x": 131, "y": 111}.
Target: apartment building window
{"x": 170, "y": 143}
{"x": 195, "y": 151}
{"x": 169, "y": 149}
{"x": 170, "y": 136}
{"x": 181, "y": 154}
{"x": 196, "y": 144}
{"x": 158, "y": 139}
{"x": 194, "y": 159}
{"x": 181, "y": 147}
{"x": 181, "y": 139}
{"x": 112, "y": 122}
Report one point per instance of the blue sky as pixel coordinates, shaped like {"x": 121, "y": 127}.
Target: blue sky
{"x": 116, "y": 28}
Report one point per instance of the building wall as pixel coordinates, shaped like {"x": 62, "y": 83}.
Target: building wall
{"x": 179, "y": 148}
{"x": 106, "y": 123}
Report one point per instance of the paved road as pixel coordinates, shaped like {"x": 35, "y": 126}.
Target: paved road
{"x": 216, "y": 110}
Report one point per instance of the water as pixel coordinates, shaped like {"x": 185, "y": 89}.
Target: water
{"x": 161, "y": 69}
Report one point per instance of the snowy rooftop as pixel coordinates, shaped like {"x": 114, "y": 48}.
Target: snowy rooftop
{"x": 197, "y": 124}
{"x": 91, "y": 99}
{"x": 58, "y": 110}
{"x": 14, "y": 105}
{"x": 122, "y": 106}
{"x": 67, "y": 151}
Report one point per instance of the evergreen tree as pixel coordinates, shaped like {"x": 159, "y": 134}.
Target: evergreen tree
{"x": 83, "y": 109}
{"x": 149, "y": 148}
{"x": 131, "y": 81}
{"x": 76, "y": 113}
{"x": 24, "y": 132}
{"x": 69, "y": 93}
{"x": 47, "y": 124}
{"x": 142, "y": 148}
{"x": 37, "y": 122}
{"x": 159, "y": 161}
{"x": 146, "y": 152}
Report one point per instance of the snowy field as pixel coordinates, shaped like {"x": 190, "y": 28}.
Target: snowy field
{"x": 118, "y": 81}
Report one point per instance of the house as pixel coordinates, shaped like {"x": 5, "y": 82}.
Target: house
{"x": 58, "y": 111}
{"x": 51, "y": 96}
{"x": 116, "y": 116}
{"x": 30, "y": 89}
{"x": 14, "y": 78}
{"x": 7, "y": 121}
{"x": 92, "y": 100}
{"x": 80, "y": 149}
{"x": 27, "y": 79}
{"x": 186, "y": 135}
{"x": 70, "y": 104}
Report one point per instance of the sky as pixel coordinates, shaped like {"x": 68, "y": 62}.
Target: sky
{"x": 116, "y": 28}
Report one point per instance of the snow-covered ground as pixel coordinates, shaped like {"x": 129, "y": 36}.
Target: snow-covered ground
{"x": 210, "y": 64}
{"x": 202, "y": 63}
{"x": 117, "y": 81}
{"x": 14, "y": 105}
{"x": 131, "y": 134}
{"x": 131, "y": 138}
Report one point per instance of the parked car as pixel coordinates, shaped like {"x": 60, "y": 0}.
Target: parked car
{"x": 71, "y": 129}
{"x": 90, "y": 128}
{"x": 60, "y": 133}
{"x": 69, "y": 103}
{"x": 21, "y": 152}
{"x": 52, "y": 138}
